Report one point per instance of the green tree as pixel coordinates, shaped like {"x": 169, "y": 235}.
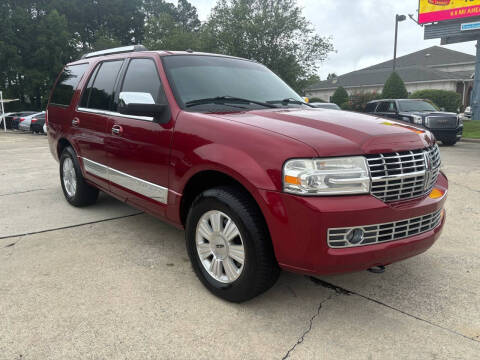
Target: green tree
{"x": 448, "y": 100}
{"x": 170, "y": 27}
{"x": 340, "y": 96}
{"x": 394, "y": 88}
{"x": 273, "y": 32}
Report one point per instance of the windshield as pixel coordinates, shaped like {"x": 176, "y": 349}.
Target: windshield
{"x": 202, "y": 77}
{"x": 416, "y": 105}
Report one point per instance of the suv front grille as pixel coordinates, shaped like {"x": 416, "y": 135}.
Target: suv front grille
{"x": 379, "y": 233}
{"x": 404, "y": 175}
{"x": 441, "y": 122}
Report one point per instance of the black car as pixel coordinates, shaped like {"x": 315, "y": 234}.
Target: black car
{"x": 447, "y": 127}
{"x": 36, "y": 124}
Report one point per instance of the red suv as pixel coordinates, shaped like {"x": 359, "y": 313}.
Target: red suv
{"x": 260, "y": 180}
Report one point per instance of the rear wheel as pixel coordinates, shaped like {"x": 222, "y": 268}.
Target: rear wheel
{"x": 76, "y": 190}
{"x": 229, "y": 246}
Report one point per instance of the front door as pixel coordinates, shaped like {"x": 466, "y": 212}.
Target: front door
{"x": 138, "y": 149}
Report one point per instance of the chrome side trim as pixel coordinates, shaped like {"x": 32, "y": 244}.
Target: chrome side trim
{"x": 95, "y": 168}
{"x": 143, "y": 187}
{"x": 113, "y": 113}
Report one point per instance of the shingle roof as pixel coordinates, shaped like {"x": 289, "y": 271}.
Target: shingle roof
{"x": 411, "y": 68}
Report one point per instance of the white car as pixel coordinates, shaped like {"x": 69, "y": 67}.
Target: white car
{"x": 26, "y": 121}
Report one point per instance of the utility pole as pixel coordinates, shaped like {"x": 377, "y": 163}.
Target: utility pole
{"x": 398, "y": 18}
{"x": 476, "y": 87}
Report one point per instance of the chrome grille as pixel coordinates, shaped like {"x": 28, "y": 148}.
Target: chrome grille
{"x": 404, "y": 175}
{"x": 380, "y": 233}
{"x": 441, "y": 122}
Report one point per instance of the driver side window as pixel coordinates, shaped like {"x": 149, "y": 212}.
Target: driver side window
{"x": 142, "y": 83}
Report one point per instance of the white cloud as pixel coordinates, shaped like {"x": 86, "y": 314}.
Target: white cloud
{"x": 362, "y": 30}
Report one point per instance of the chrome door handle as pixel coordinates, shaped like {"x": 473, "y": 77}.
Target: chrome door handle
{"x": 117, "y": 130}
{"x": 75, "y": 122}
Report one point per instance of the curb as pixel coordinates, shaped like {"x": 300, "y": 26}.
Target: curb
{"x": 470, "y": 140}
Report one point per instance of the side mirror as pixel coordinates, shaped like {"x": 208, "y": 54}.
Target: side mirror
{"x": 142, "y": 104}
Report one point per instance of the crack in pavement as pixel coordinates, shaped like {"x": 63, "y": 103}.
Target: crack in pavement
{"x": 339, "y": 290}
{"x": 305, "y": 333}
{"x": 23, "y": 192}
{"x": 64, "y": 227}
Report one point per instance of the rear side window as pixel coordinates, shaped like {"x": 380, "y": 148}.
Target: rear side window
{"x": 142, "y": 77}
{"x": 99, "y": 93}
{"x": 67, "y": 83}
{"x": 384, "y": 107}
{"x": 370, "y": 108}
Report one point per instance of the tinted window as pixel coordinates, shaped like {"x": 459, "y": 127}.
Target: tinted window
{"x": 101, "y": 93}
{"x": 386, "y": 106}
{"x": 142, "y": 76}
{"x": 88, "y": 89}
{"x": 67, "y": 83}
{"x": 416, "y": 105}
{"x": 370, "y": 107}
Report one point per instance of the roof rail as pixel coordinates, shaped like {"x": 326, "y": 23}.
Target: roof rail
{"x": 119, "y": 50}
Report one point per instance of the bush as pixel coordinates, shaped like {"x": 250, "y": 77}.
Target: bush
{"x": 316, "y": 99}
{"x": 449, "y": 100}
{"x": 340, "y": 96}
{"x": 394, "y": 88}
{"x": 359, "y": 101}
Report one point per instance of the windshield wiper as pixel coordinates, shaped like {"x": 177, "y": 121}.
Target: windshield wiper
{"x": 223, "y": 100}
{"x": 289, "y": 101}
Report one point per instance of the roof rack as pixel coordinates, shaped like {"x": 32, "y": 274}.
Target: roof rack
{"x": 119, "y": 50}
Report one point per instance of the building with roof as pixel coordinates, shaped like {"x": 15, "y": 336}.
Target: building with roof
{"x": 433, "y": 68}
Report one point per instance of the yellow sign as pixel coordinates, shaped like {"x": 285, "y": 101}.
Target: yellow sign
{"x": 440, "y": 10}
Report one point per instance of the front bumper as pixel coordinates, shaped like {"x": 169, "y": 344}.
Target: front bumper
{"x": 299, "y": 226}
{"x": 448, "y": 134}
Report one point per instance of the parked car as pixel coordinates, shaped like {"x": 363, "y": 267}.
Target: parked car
{"x": 8, "y": 122}
{"x": 468, "y": 112}
{"x": 17, "y": 118}
{"x": 331, "y": 106}
{"x": 260, "y": 181}
{"x": 447, "y": 127}
{"x": 37, "y": 123}
{"x": 25, "y": 122}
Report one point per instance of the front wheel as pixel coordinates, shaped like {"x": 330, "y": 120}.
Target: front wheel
{"x": 76, "y": 190}
{"x": 229, "y": 246}
{"x": 449, "y": 142}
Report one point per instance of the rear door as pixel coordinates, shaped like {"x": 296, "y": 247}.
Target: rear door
{"x": 138, "y": 149}
{"x": 89, "y": 124}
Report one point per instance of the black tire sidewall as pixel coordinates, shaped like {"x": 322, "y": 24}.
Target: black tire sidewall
{"x": 241, "y": 286}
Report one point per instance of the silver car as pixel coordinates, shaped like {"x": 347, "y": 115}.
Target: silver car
{"x": 26, "y": 121}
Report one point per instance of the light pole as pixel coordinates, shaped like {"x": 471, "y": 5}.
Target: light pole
{"x": 398, "y": 18}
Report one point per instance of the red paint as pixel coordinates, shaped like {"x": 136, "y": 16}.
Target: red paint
{"x": 252, "y": 147}
{"x": 450, "y": 14}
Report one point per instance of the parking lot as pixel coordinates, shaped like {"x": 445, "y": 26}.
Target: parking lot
{"x": 111, "y": 282}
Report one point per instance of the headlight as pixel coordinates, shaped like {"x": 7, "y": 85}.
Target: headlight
{"x": 330, "y": 176}
{"x": 417, "y": 119}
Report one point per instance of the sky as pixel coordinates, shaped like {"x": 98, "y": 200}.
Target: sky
{"x": 362, "y": 31}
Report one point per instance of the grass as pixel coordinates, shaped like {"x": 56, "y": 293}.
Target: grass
{"x": 471, "y": 129}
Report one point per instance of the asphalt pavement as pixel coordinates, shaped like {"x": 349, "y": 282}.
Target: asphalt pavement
{"x": 109, "y": 282}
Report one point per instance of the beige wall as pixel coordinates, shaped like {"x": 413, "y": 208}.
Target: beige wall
{"x": 411, "y": 88}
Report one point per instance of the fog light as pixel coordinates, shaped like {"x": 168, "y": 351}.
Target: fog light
{"x": 355, "y": 236}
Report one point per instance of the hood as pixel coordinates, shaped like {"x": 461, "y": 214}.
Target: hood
{"x": 337, "y": 133}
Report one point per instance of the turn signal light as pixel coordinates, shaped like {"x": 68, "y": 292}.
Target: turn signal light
{"x": 292, "y": 180}
{"x": 436, "y": 193}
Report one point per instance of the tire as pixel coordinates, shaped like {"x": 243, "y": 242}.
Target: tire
{"x": 449, "y": 142}
{"x": 82, "y": 194}
{"x": 259, "y": 270}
